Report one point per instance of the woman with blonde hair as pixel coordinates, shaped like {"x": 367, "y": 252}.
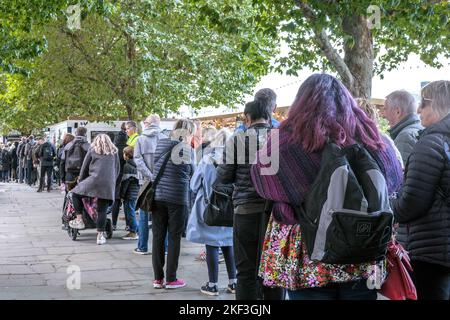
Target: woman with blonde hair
{"x": 97, "y": 179}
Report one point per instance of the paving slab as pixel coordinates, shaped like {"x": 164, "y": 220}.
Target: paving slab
{"x": 35, "y": 254}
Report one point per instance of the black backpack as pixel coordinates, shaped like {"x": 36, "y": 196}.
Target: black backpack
{"x": 75, "y": 157}
{"x": 219, "y": 209}
{"x": 346, "y": 218}
{"x": 47, "y": 152}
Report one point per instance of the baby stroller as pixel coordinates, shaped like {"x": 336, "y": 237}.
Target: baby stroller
{"x": 89, "y": 216}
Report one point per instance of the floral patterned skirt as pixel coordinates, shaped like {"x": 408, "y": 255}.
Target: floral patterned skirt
{"x": 285, "y": 262}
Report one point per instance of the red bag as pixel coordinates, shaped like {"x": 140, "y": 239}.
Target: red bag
{"x": 398, "y": 285}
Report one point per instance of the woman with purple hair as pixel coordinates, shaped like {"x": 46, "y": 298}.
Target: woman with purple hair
{"x": 323, "y": 111}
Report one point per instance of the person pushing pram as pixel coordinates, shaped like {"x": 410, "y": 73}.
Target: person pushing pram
{"x": 96, "y": 184}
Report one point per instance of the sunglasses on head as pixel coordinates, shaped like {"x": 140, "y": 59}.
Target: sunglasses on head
{"x": 425, "y": 103}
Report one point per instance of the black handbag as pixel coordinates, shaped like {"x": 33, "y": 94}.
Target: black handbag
{"x": 147, "y": 192}
{"x": 219, "y": 209}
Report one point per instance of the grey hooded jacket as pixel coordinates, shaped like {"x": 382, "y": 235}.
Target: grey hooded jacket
{"x": 144, "y": 151}
{"x": 405, "y": 135}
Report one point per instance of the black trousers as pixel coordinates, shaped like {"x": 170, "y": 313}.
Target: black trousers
{"x": 167, "y": 217}
{"x": 46, "y": 170}
{"x": 432, "y": 281}
{"x": 248, "y": 235}
{"x": 115, "y": 211}
{"x": 102, "y": 207}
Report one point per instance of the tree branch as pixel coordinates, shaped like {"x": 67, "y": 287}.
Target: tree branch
{"x": 105, "y": 79}
{"x": 325, "y": 45}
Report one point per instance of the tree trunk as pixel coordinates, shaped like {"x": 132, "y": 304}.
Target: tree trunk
{"x": 359, "y": 56}
{"x": 130, "y": 86}
{"x": 129, "y": 111}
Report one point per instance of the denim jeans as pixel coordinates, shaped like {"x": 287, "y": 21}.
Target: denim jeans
{"x": 212, "y": 261}
{"x": 30, "y": 170}
{"x": 21, "y": 173}
{"x": 143, "y": 231}
{"x": 130, "y": 214}
{"x": 356, "y": 290}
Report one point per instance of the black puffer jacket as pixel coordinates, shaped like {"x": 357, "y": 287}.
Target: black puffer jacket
{"x": 237, "y": 170}
{"x": 174, "y": 184}
{"x": 423, "y": 205}
{"x": 129, "y": 188}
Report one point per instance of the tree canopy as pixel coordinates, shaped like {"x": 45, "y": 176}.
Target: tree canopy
{"x": 131, "y": 58}
{"x": 348, "y": 38}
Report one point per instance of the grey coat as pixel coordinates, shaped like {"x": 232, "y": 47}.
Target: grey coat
{"x": 98, "y": 176}
{"x": 405, "y": 135}
{"x": 144, "y": 151}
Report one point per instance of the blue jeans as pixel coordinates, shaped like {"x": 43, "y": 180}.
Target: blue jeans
{"x": 130, "y": 214}
{"x": 356, "y": 290}
{"x": 143, "y": 231}
{"x": 212, "y": 261}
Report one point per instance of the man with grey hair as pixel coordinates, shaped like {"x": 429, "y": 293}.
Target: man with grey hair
{"x": 400, "y": 110}
{"x": 144, "y": 151}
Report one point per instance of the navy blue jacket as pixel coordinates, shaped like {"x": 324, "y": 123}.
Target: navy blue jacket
{"x": 174, "y": 184}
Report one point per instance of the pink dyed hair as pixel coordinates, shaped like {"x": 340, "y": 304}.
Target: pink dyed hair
{"x": 324, "y": 109}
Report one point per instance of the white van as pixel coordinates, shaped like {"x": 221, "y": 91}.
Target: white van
{"x": 57, "y": 131}
{"x": 111, "y": 128}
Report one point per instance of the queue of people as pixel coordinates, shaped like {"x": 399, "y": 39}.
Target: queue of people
{"x": 267, "y": 251}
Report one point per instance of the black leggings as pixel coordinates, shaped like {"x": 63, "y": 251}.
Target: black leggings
{"x": 102, "y": 208}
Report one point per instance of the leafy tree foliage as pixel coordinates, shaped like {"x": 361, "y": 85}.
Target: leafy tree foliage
{"x": 134, "y": 57}
{"x": 344, "y": 36}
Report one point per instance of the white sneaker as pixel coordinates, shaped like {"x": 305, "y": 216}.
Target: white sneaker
{"x": 76, "y": 224}
{"x": 101, "y": 239}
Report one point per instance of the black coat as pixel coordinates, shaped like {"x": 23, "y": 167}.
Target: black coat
{"x": 236, "y": 170}
{"x": 46, "y": 162}
{"x": 14, "y": 158}
{"x": 5, "y": 160}
{"x": 174, "y": 184}
{"x": 423, "y": 205}
{"x": 120, "y": 142}
{"x": 129, "y": 188}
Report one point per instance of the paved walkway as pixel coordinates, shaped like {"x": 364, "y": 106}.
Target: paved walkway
{"x": 35, "y": 255}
